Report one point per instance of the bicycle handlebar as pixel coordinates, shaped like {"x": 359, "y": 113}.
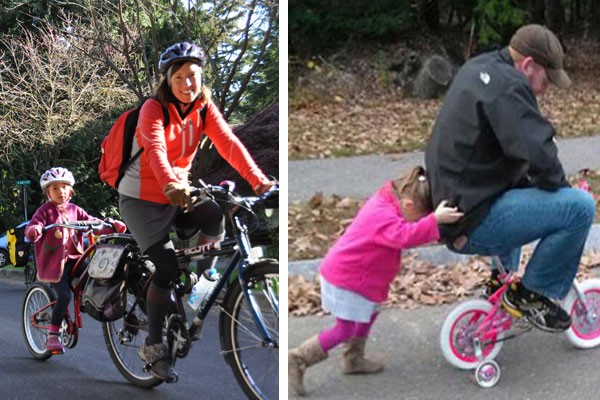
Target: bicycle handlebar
{"x": 270, "y": 198}
{"x": 79, "y": 225}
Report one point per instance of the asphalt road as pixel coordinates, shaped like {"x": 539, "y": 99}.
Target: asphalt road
{"x": 534, "y": 366}
{"x": 87, "y": 372}
{"x": 359, "y": 177}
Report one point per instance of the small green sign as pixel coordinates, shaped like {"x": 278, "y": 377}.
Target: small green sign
{"x": 24, "y": 182}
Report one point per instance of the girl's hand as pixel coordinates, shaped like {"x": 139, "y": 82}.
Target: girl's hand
{"x": 34, "y": 234}
{"x": 119, "y": 226}
{"x": 447, "y": 215}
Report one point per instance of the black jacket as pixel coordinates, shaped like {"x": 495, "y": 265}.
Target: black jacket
{"x": 489, "y": 136}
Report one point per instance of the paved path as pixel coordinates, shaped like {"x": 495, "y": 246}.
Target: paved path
{"x": 361, "y": 176}
{"x": 534, "y": 366}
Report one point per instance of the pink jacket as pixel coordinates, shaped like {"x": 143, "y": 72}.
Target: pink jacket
{"x": 57, "y": 245}
{"x": 367, "y": 257}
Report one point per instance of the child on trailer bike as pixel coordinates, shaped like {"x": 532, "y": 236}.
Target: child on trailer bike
{"x": 492, "y": 154}
{"x": 357, "y": 271}
{"x": 57, "y": 250}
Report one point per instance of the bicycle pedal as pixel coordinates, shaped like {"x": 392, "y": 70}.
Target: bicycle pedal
{"x": 56, "y": 352}
{"x": 513, "y": 312}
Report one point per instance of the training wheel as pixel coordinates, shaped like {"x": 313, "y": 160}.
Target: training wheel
{"x": 487, "y": 374}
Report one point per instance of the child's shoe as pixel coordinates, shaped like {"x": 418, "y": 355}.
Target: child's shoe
{"x": 53, "y": 345}
{"x": 308, "y": 353}
{"x": 354, "y": 361}
{"x": 540, "y": 311}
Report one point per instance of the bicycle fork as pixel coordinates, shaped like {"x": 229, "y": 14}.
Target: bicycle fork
{"x": 581, "y": 307}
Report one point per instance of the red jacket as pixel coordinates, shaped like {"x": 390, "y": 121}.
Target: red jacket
{"x": 367, "y": 257}
{"x": 169, "y": 152}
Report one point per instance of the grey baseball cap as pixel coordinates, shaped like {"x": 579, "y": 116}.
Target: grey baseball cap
{"x": 539, "y": 43}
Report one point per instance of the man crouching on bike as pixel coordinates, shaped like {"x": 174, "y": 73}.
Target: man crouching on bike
{"x": 492, "y": 154}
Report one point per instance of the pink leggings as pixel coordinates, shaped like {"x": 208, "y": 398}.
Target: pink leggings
{"x": 344, "y": 330}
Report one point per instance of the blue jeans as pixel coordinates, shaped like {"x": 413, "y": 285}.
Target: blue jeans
{"x": 560, "y": 220}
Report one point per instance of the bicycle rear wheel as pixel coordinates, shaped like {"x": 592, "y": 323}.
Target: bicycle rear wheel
{"x": 35, "y": 319}
{"x": 123, "y": 338}
{"x": 255, "y": 363}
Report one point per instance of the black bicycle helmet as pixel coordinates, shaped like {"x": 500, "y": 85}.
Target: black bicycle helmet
{"x": 183, "y": 51}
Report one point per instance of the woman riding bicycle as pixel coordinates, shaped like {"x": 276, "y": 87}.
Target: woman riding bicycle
{"x": 57, "y": 250}
{"x": 154, "y": 190}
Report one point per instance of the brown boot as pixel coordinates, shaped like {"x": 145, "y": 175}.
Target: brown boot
{"x": 354, "y": 361}
{"x": 300, "y": 358}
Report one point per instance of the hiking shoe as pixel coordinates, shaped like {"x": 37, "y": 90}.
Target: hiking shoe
{"x": 158, "y": 362}
{"x": 53, "y": 345}
{"x": 491, "y": 286}
{"x": 539, "y": 310}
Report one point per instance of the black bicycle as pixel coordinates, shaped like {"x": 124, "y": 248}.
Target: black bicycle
{"x": 249, "y": 308}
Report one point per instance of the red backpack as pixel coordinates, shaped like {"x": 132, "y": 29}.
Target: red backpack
{"x": 115, "y": 151}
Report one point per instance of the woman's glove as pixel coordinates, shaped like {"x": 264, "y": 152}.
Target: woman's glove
{"x": 263, "y": 187}
{"x": 34, "y": 233}
{"x": 178, "y": 195}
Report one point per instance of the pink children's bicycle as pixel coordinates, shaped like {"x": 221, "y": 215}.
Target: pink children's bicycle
{"x": 474, "y": 332}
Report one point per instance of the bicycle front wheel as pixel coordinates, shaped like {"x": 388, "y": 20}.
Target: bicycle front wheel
{"x": 123, "y": 338}
{"x": 254, "y": 362}
{"x": 35, "y": 319}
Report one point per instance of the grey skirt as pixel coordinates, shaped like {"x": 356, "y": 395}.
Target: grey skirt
{"x": 345, "y": 304}
{"x": 149, "y": 222}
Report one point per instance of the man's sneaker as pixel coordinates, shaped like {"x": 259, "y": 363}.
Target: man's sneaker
{"x": 491, "y": 286}
{"x": 54, "y": 345}
{"x": 540, "y": 311}
{"x": 158, "y": 361}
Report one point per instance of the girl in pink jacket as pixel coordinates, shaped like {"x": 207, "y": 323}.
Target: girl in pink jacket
{"x": 358, "y": 269}
{"x": 58, "y": 249}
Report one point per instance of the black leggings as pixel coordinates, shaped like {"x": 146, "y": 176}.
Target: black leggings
{"x": 162, "y": 254}
{"x": 63, "y": 294}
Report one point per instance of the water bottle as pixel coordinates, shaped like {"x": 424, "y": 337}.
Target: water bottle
{"x": 201, "y": 290}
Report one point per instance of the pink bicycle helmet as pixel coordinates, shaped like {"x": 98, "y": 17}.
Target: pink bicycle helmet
{"x": 56, "y": 174}
{"x": 183, "y": 51}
